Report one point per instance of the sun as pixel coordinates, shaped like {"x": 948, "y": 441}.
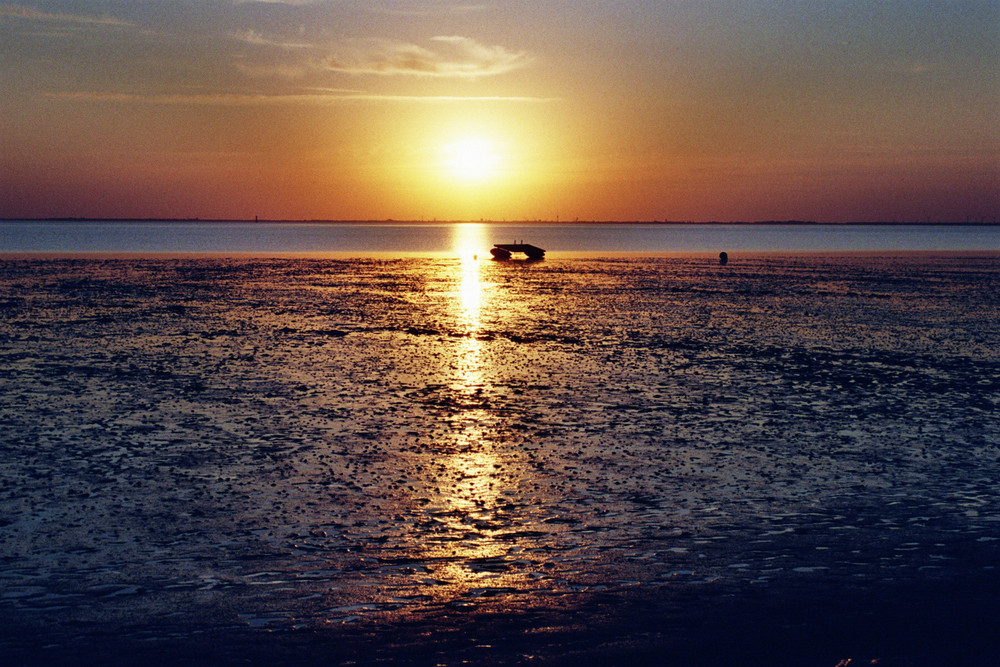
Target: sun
{"x": 471, "y": 159}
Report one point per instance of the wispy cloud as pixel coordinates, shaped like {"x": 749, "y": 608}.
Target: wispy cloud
{"x": 33, "y": 14}
{"x": 311, "y": 97}
{"x": 919, "y": 68}
{"x": 271, "y": 71}
{"x": 257, "y": 39}
{"x": 448, "y": 56}
{"x": 220, "y": 99}
{"x": 429, "y": 10}
{"x": 275, "y": 2}
{"x": 426, "y": 10}
{"x": 442, "y": 57}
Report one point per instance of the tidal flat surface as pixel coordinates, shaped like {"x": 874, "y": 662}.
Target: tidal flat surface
{"x": 661, "y": 460}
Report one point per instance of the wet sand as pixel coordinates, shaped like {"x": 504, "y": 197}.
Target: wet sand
{"x": 647, "y": 460}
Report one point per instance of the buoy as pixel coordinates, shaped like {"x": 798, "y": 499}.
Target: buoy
{"x": 723, "y": 258}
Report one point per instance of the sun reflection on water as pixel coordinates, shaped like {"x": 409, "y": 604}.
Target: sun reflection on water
{"x": 468, "y": 241}
{"x": 470, "y": 462}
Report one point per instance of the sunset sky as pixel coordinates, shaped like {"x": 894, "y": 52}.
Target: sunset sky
{"x": 841, "y": 110}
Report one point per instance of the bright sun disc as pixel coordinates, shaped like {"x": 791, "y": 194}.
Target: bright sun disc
{"x": 471, "y": 159}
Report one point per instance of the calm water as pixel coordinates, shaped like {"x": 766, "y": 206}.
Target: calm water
{"x": 479, "y": 462}
{"x": 248, "y": 237}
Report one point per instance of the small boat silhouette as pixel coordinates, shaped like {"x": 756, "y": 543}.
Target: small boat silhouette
{"x": 505, "y": 250}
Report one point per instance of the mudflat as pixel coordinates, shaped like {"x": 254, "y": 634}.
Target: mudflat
{"x": 786, "y": 460}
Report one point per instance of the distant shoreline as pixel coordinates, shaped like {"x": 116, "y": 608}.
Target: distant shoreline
{"x": 952, "y": 223}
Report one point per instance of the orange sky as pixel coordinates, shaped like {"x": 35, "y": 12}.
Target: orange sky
{"x": 689, "y": 110}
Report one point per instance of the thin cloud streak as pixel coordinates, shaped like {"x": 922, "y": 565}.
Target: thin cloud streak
{"x": 456, "y": 56}
{"x": 450, "y": 56}
{"x": 257, "y": 39}
{"x": 243, "y": 99}
{"x": 272, "y": 71}
{"x": 32, "y": 14}
{"x": 275, "y": 2}
{"x": 433, "y": 10}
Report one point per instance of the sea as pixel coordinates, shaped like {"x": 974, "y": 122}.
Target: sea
{"x": 247, "y": 443}
{"x": 125, "y": 236}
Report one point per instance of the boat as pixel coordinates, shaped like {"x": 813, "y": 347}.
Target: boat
{"x": 503, "y": 251}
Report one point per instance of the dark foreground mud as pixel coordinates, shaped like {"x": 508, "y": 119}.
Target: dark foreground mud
{"x": 785, "y": 460}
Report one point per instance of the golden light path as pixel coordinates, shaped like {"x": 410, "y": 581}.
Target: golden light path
{"x": 469, "y": 242}
{"x": 468, "y": 450}
{"x": 471, "y": 470}
{"x": 474, "y": 458}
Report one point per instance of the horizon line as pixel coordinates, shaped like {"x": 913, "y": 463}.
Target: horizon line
{"x": 524, "y": 221}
